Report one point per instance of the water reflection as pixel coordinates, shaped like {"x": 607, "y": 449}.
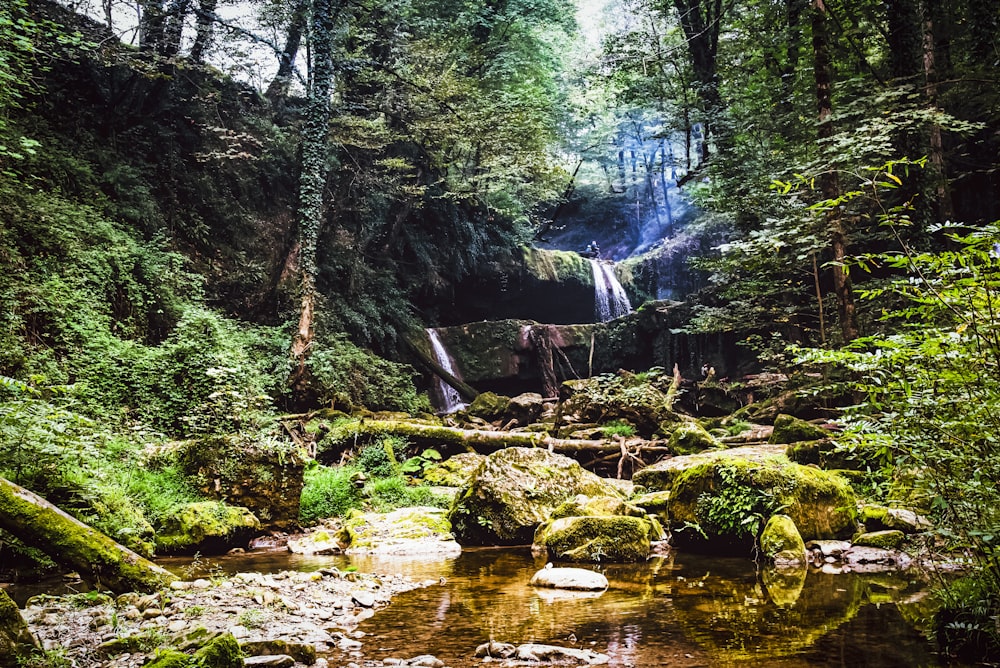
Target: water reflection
{"x": 680, "y": 610}
{"x": 672, "y": 611}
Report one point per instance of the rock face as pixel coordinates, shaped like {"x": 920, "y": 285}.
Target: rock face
{"x": 580, "y": 579}
{"x": 15, "y": 639}
{"x": 210, "y": 527}
{"x": 596, "y": 539}
{"x": 730, "y": 494}
{"x": 514, "y": 491}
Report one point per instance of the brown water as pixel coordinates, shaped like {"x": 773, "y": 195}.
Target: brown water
{"x": 680, "y": 610}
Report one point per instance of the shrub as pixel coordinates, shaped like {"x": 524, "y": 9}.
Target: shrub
{"x": 328, "y": 492}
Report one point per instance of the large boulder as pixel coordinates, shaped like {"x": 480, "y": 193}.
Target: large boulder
{"x": 617, "y": 538}
{"x": 514, "y": 491}
{"x": 409, "y": 531}
{"x": 208, "y": 527}
{"x": 724, "y": 497}
{"x": 790, "y": 429}
{"x": 265, "y": 477}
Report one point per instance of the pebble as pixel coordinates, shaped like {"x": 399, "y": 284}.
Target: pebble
{"x": 272, "y": 661}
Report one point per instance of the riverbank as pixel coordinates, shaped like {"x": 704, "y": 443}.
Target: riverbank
{"x": 309, "y": 617}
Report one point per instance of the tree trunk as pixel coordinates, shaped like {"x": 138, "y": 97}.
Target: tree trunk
{"x": 701, "y": 21}
{"x": 541, "y": 339}
{"x": 312, "y": 181}
{"x": 485, "y": 442}
{"x": 466, "y": 391}
{"x": 829, "y": 183}
{"x": 151, "y": 22}
{"x": 177, "y": 12}
{"x": 203, "y": 35}
{"x": 278, "y": 88}
{"x": 75, "y": 545}
{"x": 939, "y": 171}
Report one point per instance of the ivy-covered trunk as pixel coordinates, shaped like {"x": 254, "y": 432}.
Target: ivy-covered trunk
{"x": 311, "y": 183}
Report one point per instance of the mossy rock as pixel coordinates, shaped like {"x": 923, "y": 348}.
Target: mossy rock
{"x": 881, "y": 518}
{"x": 886, "y": 540}
{"x": 15, "y": 638}
{"x": 728, "y": 493}
{"x": 209, "y": 527}
{"x": 596, "y": 539}
{"x": 690, "y": 437}
{"x": 654, "y": 503}
{"x": 789, "y": 429}
{"x": 489, "y": 406}
{"x": 405, "y": 530}
{"x": 830, "y": 455}
{"x": 781, "y": 542}
{"x": 221, "y": 652}
{"x": 170, "y": 658}
{"x": 514, "y": 491}
{"x": 454, "y": 471}
{"x": 599, "y": 506}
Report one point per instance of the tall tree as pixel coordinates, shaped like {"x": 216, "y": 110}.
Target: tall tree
{"x": 312, "y": 180}
{"x": 828, "y": 181}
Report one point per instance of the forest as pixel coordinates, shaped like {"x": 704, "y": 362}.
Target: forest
{"x": 227, "y": 229}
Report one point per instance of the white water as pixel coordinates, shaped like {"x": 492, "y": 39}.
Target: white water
{"x": 450, "y": 396}
{"x": 610, "y": 300}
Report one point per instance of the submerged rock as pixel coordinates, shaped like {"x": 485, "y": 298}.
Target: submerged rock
{"x": 514, "y": 491}
{"x": 580, "y": 579}
{"x": 553, "y": 654}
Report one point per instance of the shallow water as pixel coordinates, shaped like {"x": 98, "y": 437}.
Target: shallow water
{"x": 679, "y": 610}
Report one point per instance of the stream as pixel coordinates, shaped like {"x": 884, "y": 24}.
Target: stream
{"x": 677, "y": 610}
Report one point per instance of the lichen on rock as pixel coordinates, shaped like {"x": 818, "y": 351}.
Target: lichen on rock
{"x": 209, "y": 527}
{"x": 595, "y": 539}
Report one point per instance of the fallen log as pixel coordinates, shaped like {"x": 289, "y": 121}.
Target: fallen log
{"x": 484, "y": 441}
{"x": 71, "y": 543}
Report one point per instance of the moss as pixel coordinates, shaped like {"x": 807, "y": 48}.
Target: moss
{"x": 515, "y": 490}
{"x": 74, "y": 544}
{"x": 170, "y": 658}
{"x": 559, "y": 266}
{"x": 454, "y": 471}
{"x": 789, "y": 429}
{"x": 207, "y": 526}
{"x": 364, "y": 531}
{"x": 781, "y": 541}
{"x": 886, "y": 540}
{"x": 596, "y": 539}
{"x": 720, "y": 495}
{"x": 220, "y": 652}
{"x": 15, "y": 638}
{"x": 691, "y": 437}
{"x": 599, "y": 506}
{"x": 489, "y": 406}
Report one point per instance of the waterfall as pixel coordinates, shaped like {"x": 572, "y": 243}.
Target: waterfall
{"x": 450, "y": 396}
{"x": 610, "y": 300}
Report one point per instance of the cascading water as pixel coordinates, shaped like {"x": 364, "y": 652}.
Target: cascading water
{"x": 450, "y": 396}
{"x": 610, "y": 300}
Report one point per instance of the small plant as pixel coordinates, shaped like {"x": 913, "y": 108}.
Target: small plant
{"x": 381, "y": 458}
{"x": 618, "y": 428}
{"x": 254, "y": 618}
{"x": 419, "y": 464}
{"x": 328, "y": 492}
{"x": 737, "y": 428}
{"x": 50, "y": 658}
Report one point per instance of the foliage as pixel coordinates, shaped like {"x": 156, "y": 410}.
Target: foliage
{"x": 418, "y": 464}
{"x": 328, "y": 492}
{"x": 344, "y": 374}
{"x": 381, "y": 458}
{"x": 618, "y": 428}
{"x": 930, "y": 400}
{"x": 386, "y": 494}
{"x": 735, "y": 509}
